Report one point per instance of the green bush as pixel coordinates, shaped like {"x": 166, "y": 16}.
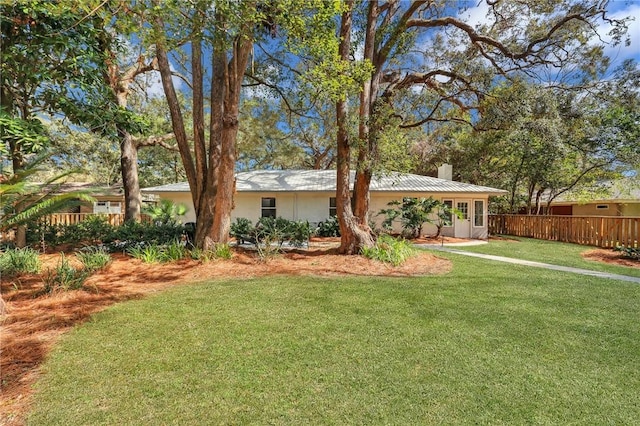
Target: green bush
{"x": 94, "y": 258}
{"x": 148, "y": 254}
{"x": 220, "y": 251}
{"x": 629, "y": 252}
{"x": 329, "y": 228}
{"x": 242, "y": 230}
{"x": 389, "y": 250}
{"x": 19, "y": 261}
{"x": 299, "y": 233}
{"x": 156, "y": 253}
{"x": 134, "y": 234}
{"x": 173, "y": 251}
{"x": 64, "y": 277}
{"x": 166, "y": 212}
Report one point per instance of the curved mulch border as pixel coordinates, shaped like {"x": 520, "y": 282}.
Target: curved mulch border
{"x": 33, "y": 322}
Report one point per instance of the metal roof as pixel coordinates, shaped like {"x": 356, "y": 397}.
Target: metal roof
{"x": 325, "y": 181}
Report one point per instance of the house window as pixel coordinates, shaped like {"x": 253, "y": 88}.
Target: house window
{"x": 478, "y": 213}
{"x": 602, "y": 206}
{"x": 107, "y": 207}
{"x": 449, "y": 204}
{"x": 332, "y": 207}
{"x": 268, "y": 207}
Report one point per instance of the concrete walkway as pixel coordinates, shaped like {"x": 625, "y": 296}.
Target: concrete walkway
{"x": 534, "y": 264}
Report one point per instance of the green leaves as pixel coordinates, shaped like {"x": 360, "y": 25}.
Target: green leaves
{"x": 23, "y": 137}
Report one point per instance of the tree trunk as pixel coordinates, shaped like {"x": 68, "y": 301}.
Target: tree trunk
{"x": 353, "y": 237}
{"x": 18, "y": 163}
{"x": 366, "y": 135}
{"x": 130, "y": 182}
{"x": 234, "y": 73}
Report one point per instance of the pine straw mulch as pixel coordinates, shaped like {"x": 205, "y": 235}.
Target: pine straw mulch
{"x": 609, "y": 256}
{"x": 33, "y": 322}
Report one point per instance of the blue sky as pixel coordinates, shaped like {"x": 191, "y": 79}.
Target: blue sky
{"x": 476, "y": 15}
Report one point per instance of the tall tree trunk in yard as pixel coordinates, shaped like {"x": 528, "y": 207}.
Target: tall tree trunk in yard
{"x": 210, "y": 169}
{"x": 234, "y": 73}
{"x": 367, "y": 98}
{"x": 353, "y": 235}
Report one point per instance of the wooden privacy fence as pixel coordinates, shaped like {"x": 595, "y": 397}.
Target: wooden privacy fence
{"x": 114, "y": 219}
{"x": 599, "y": 231}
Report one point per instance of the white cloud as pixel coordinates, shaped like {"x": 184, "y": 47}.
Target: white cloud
{"x": 622, "y": 52}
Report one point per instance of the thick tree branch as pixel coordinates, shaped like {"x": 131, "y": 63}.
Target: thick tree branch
{"x": 156, "y": 141}
{"x": 477, "y": 38}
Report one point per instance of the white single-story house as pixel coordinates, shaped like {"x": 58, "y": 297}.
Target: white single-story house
{"x": 310, "y": 195}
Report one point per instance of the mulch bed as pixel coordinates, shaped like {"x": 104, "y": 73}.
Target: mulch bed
{"x": 33, "y": 321}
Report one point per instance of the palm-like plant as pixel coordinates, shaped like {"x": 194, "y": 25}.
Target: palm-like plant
{"x": 23, "y": 201}
{"x": 166, "y": 212}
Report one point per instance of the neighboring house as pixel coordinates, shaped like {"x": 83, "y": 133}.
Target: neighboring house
{"x": 617, "y": 200}
{"x": 109, "y": 199}
{"x": 310, "y": 195}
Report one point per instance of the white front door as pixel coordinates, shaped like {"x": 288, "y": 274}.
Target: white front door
{"x": 462, "y": 226}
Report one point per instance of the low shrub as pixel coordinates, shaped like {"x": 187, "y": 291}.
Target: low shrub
{"x": 389, "y": 250}
{"x": 135, "y": 235}
{"x": 329, "y": 228}
{"x": 269, "y": 234}
{"x": 64, "y": 277}
{"x": 94, "y": 258}
{"x": 173, "y": 251}
{"x": 148, "y": 254}
{"x": 220, "y": 251}
{"x": 157, "y": 253}
{"x": 629, "y": 252}
{"x": 19, "y": 261}
{"x": 242, "y": 230}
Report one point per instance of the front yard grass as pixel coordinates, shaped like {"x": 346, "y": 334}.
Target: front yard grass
{"x": 553, "y": 252}
{"x": 486, "y": 344}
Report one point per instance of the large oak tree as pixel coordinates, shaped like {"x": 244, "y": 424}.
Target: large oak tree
{"x": 431, "y": 53}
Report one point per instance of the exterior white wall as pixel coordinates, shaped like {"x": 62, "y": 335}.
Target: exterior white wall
{"x": 379, "y": 201}
{"x": 181, "y": 198}
{"x": 314, "y": 207}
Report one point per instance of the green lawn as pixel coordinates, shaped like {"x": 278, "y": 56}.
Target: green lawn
{"x": 556, "y": 253}
{"x": 488, "y": 343}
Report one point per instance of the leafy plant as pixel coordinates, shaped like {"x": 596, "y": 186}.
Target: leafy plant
{"x": 220, "y": 251}
{"x": 157, "y": 253}
{"x": 166, "y": 212}
{"x": 172, "y": 252}
{"x": 94, "y": 258}
{"x": 148, "y": 253}
{"x": 133, "y": 234}
{"x": 413, "y": 213}
{"x": 64, "y": 277}
{"x": 389, "y": 250}
{"x": 629, "y": 252}
{"x": 298, "y": 233}
{"x": 329, "y": 227}
{"x": 242, "y": 230}
{"x": 23, "y": 201}
{"x": 223, "y": 251}
{"x": 19, "y": 261}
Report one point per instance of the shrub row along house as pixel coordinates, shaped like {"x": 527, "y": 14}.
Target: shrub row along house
{"x": 310, "y": 195}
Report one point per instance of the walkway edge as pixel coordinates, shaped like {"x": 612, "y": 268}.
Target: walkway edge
{"x": 538, "y": 264}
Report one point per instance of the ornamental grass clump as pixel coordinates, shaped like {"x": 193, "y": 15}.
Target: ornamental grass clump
{"x": 220, "y": 251}
{"x": 19, "y": 261}
{"x": 389, "y": 250}
{"x": 64, "y": 276}
{"x": 94, "y": 258}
